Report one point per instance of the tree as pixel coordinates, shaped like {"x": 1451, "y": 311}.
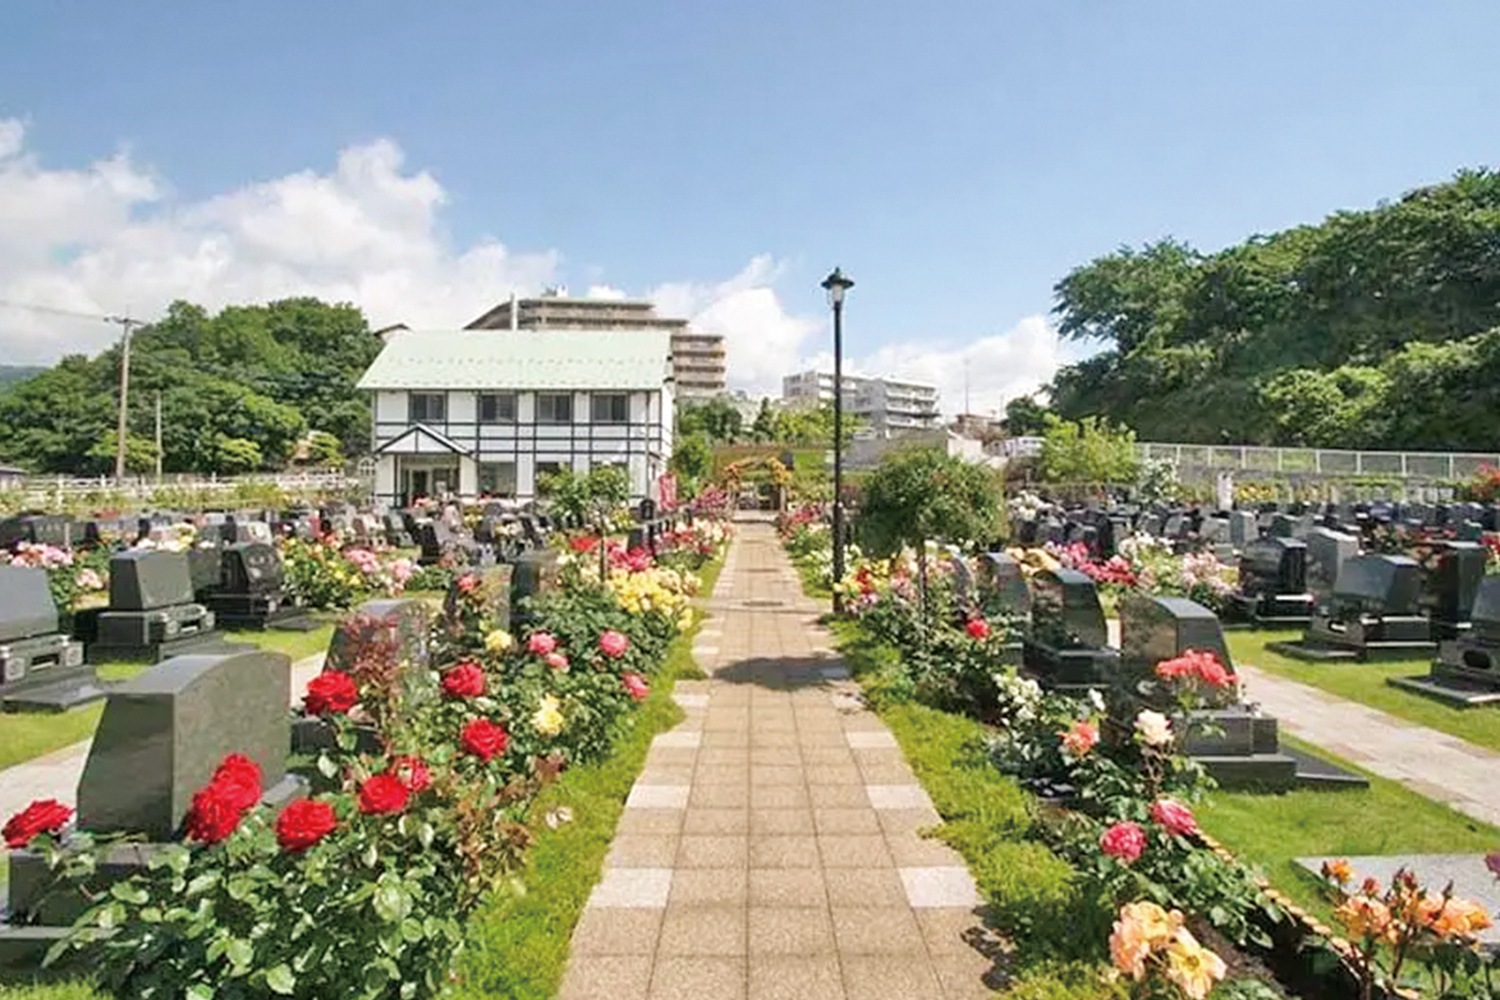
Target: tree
{"x": 764, "y": 428}
{"x": 917, "y": 494}
{"x": 1025, "y": 417}
{"x": 140, "y": 454}
{"x": 324, "y": 450}
{"x": 692, "y": 461}
{"x": 1090, "y": 450}
{"x": 720, "y": 419}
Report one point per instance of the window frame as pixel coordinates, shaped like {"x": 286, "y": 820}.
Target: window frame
{"x": 426, "y": 417}
{"x": 499, "y": 416}
{"x": 623, "y": 398}
{"x": 552, "y": 418}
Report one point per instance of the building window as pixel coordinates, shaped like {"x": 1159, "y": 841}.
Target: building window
{"x": 497, "y": 408}
{"x": 610, "y": 408}
{"x": 497, "y": 479}
{"x": 554, "y": 408}
{"x": 427, "y": 407}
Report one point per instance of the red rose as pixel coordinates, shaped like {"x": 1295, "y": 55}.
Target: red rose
{"x": 556, "y": 661}
{"x": 42, "y": 816}
{"x": 382, "y": 793}
{"x": 1125, "y": 841}
{"x": 332, "y": 692}
{"x": 412, "y": 773}
{"x": 635, "y": 686}
{"x": 613, "y": 644}
{"x": 214, "y": 814}
{"x": 303, "y": 823}
{"x": 485, "y": 740}
{"x": 541, "y": 643}
{"x": 1176, "y": 817}
{"x": 464, "y": 681}
{"x": 978, "y": 628}
{"x": 238, "y": 777}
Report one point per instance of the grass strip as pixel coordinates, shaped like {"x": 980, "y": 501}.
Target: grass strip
{"x": 1270, "y": 831}
{"x": 518, "y": 945}
{"x": 1366, "y": 684}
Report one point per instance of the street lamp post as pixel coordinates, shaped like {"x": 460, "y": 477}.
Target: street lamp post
{"x": 836, "y": 284}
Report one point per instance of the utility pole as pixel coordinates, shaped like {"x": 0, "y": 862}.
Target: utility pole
{"x": 121, "y": 427}
{"x": 158, "y": 437}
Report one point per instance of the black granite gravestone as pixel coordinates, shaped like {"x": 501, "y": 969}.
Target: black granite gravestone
{"x": 1327, "y": 551}
{"x": 1467, "y": 670}
{"x": 41, "y": 669}
{"x": 1372, "y": 614}
{"x": 1450, "y": 582}
{"x": 1273, "y": 583}
{"x": 536, "y": 573}
{"x": 251, "y": 593}
{"x": 152, "y": 613}
{"x": 1068, "y": 643}
{"x": 1237, "y": 744}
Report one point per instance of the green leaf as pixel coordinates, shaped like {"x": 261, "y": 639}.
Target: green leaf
{"x": 240, "y": 954}
{"x": 200, "y": 991}
{"x": 392, "y": 902}
{"x": 129, "y": 892}
{"x": 425, "y": 834}
{"x": 411, "y": 930}
{"x": 327, "y": 767}
{"x": 371, "y": 855}
{"x": 280, "y": 980}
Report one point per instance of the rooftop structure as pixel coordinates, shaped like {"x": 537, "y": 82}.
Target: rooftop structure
{"x": 892, "y": 406}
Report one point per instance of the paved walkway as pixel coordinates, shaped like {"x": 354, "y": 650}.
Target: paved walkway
{"x": 770, "y": 847}
{"x": 55, "y": 775}
{"x": 1430, "y": 763}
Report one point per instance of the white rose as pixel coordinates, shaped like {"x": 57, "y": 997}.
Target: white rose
{"x": 1153, "y": 728}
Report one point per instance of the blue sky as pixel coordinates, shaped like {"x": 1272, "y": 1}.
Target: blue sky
{"x": 957, "y": 158}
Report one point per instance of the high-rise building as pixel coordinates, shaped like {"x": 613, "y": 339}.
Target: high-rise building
{"x": 892, "y": 406}
{"x": 697, "y": 357}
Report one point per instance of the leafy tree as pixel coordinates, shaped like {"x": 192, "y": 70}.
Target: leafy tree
{"x": 1025, "y": 417}
{"x": 919, "y": 494}
{"x": 764, "y": 428}
{"x": 140, "y": 454}
{"x": 692, "y": 461}
{"x": 1088, "y": 451}
{"x": 720, "y": 419}
{"x": 324, "y": 450}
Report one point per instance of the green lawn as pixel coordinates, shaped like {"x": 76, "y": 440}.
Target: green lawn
{"x": 1365, "y": 683}
{"x": 297, "y": 645}
{"x": 1268, "y": 831}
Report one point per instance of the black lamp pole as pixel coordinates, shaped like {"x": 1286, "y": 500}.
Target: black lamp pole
{"x": 836, "y": 284}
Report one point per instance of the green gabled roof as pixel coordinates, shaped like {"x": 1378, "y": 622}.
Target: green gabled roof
{"x": 522, "y": 359}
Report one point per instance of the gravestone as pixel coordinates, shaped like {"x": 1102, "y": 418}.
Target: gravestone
{"x": 1242, "y": 528}
{"x": 1238, "y": 744}
{"x": 41, "y": 669}
{"x": 1067, "y": 646}
{"x": 252, "y": 589}
{"x": 159, "y": 740}
{"x": 1452, "y": 572}
{"x": 1371, "y": 615}
{"x": 1283, "y": 526}
{"x": 163, "y": 733}
{"x": 395, "y": 531}
{"x": 152, "y": 613}
{"x": 205, "y": 569}
{"x": 37, "y": 529}
{"x": 1327, "y": 551}
{"x": 1273, "y": 583}
{"x": 1002, "y": 585}
{"x": 1466, "y": 672}
{"x": 963, "y": 578}
{"x": 536, "y": 573}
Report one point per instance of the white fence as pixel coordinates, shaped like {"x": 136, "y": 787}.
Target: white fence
{"x": 1253, "y": 459}
{"x": 58, "y": 492}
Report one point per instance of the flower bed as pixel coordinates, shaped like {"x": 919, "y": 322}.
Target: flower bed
{"x": 1114, "y": 820}
{"x": 363, "y": 887}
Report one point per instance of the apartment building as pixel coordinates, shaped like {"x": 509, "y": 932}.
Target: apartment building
{"x": 698, "y": 359}
{"x": 892, "y": 407}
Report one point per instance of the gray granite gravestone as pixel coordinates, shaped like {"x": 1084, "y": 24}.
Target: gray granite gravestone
{"x": 1004, "y": 584}
{"x": 163, "y": 733}
{"x": 1327, "y": 551}
{"x": 41, "y": 669}
{"x": 963, "y": 578}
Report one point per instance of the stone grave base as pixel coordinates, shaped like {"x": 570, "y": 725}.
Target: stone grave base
{"x": 1370, "y": 652}
{"x": 55, "y": 690}
{"x": 258, "y": 612}
{"x": 30, "y": 892}
{"x": 198, "y": 644}
{"x": 1457, "y": 692}
{"x": 1272, "y": 611}
{"x": 1315, "y": 772}
{"x": 1271, "y": 772}
{"x": 1061, "y": 669}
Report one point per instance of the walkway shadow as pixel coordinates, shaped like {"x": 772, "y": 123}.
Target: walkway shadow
{"x": 785, "y": 673}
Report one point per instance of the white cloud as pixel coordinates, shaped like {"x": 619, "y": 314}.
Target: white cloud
{"x": 110, "y": 238}
{"x": 992, "y": 370}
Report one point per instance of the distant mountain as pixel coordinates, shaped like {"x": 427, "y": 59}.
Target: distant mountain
{"x": 11, "y": 374}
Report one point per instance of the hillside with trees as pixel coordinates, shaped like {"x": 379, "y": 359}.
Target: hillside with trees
{"x": 1374, "y": 329}
{"x": 239, "y": 391}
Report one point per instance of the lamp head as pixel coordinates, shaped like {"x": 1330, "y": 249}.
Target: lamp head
{"x": 836, "y": 284}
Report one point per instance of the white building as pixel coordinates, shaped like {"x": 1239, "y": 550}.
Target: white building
{"x": 892, "y": 406}
{"x": 485, "y": 412}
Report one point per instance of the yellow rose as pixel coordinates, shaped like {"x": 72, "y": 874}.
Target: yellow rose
{"x": 498, "y": 641}
{"x": 548, "y": 720}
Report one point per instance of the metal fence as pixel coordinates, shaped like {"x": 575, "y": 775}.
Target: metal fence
{"x": 58, "y": 492}
{"x": 1256, "y": 459}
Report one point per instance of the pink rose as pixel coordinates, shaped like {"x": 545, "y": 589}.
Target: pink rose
{"x": 1176, "y": 817}
{"x": 1082, "y": 738}
{"x": 635, "y": 686}
{"x": 541, "y": 643}
{"x": 978, "y": 628}
{"x": 556, "y": 661}
{"x": 1123, "y": 841}
{"x": 613, "y": 644}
